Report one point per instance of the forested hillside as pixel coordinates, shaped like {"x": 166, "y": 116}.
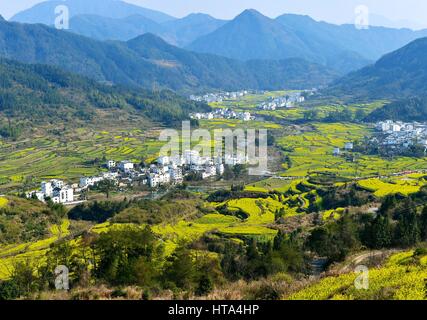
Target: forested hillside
{"x": 400, "y": 74}
{"x": 411, "y": 109}
{"x": 43, "y": 94}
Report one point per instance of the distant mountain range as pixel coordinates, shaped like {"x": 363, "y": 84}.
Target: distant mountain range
{"x": 44, "y": 12}
{"x": 180, "y": 32}
{"x": 250, "y": 36}
{"x": 254, "y": 36}
{"x": 345, "y": 48}
{"x": 149, "y": 61}
{"x": 400, "y": 74}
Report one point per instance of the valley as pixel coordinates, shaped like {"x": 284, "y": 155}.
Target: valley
{"x": 148, "y": 156}
{"x": 307, "y": 169}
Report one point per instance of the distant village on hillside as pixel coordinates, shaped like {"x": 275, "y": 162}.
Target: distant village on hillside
{"x": 221, "y": 96}
{"x": 286, "y": 101}
{"x": 223, "y": 114}
{"x": 397, "y": 135}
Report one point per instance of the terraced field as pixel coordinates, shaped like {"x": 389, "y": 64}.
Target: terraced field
{"x": 32, "y": 251}
{"x": 72, "y": 156}
{"x": 312, "y": 152}
{"x": 401, "y": 278}
{"x": 404, "y": 185}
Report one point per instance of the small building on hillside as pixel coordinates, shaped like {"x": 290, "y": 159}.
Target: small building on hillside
{"x": 336, "y": 152}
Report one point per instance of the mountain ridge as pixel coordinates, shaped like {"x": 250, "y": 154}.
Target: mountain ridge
{"x": 252, "y": 35}
{"x": 38, "y": 94}
{"x": 399, "y": 74}
{"x": 149, "y": 61}
{"x": 44, "y": 12}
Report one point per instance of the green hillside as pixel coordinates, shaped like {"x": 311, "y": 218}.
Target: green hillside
{"x": 41, "y": 94}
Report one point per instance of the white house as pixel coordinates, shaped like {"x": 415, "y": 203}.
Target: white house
{"x": 57, "y": 183}
{"x": 176, "y": 175}
{"x": 89, "y": 181}
{"x": 126, "y": 166}
{"x": 246, "y": 116}
{"x": 63, "y": 195}
{"x": 111, "y": 164}
{"x": 192, "y": 157}
{"x": 163, "y": 161}
{"x": 220, "y": 169}
{"x": 47, "y": 188}
{"x": 349, "y": 146}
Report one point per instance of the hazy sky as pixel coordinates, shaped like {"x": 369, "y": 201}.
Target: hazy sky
{"x": 404, "y": 12}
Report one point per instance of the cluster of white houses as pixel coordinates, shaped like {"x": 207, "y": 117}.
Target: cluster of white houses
{"x": 166, "y": 171}
{"x": 398, "y": 134}
{"x": 223, "y": 114}
{"x": 56, "y": 190}
{"x": 286, "y": 101}
{"x": 219, "y": 97}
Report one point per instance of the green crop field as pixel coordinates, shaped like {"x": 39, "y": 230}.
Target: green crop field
{"x": 403, "y": 185}
{"x": 32, "y": 251}
{"x": 71, "y": 156}
{"x": 401, "y": 278}
{"x": 312, "y": 152}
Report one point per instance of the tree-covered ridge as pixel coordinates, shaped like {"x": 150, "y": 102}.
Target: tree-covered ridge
{"x": 44, "y": 94}
{"x": 411, "y": 109}
{"x": 148, "y": 61}
{"x": 397, "y": 75}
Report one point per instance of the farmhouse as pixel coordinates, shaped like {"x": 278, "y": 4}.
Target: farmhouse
{"x": 126, "y": 166}
{"x": 54, "y": 189}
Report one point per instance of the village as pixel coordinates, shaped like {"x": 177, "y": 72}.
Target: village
{"x": 400, "y": 135}
{"x": 165, "y": 171}
{"x": 286, "y": 101}
{"x": 221, "y": 96}
{"x": 223, "y": 114}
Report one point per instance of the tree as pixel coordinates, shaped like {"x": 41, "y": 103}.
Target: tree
{"x": 205, "y": 285}
{"x": 106, "y": 186}
{"x": 180, "y": 269}
{"x": 407, "y": 231}
{"x": 380, "y": 233}
{"x": 118, "y": 253}
{"x": 423, "y": 224}
{"x": 311, "y": 114}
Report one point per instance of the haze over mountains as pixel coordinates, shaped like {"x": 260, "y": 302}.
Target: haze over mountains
{"x": 148, "y": 60}
{"x": 249, "y": 36}
{"x": 180, "y": 32}
{"x": 44, "y": 12}
{"x": 200, "y": 53}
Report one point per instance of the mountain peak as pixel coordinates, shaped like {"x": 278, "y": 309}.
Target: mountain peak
{"x": 1, "y": 18}
{"x": 251, "y": 13}
{"x": 44, "y": 12}
{"x": 198, "y": 15}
